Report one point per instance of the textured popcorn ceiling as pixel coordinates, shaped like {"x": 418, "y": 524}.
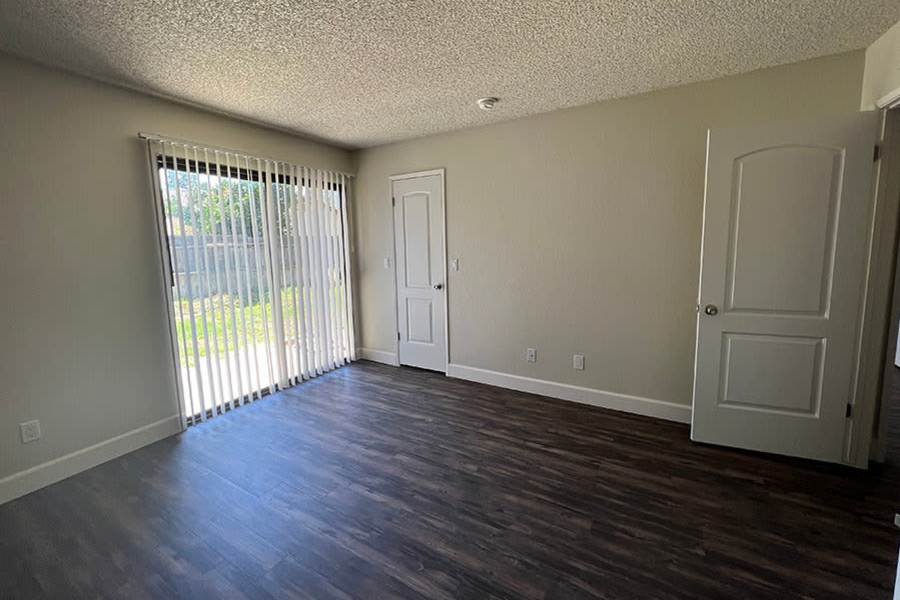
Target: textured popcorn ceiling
{"x": 367, "y": 72}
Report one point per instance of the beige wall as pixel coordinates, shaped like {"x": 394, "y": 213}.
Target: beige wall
{"x": 882, "y": 70}
{"x": 578, "y": 231}
{"x": 84, "y": 337}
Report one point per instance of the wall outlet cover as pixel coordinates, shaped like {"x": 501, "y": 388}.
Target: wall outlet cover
{"x": 578, "y": 362}
{"x": 30, "y": 430}
{"x": 531, "y": 355}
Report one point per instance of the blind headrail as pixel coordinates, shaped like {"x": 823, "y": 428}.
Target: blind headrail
{"x": 155, "y": 137}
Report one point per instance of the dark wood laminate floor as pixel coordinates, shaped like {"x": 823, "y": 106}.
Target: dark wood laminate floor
{"x": 378, "y": 482}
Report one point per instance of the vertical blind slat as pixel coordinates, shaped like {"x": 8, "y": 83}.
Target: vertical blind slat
{"x": 339, "y": 243}
{"x": 309, "y": 315}
{"x": 273, "y": 269}
{"x": 279, "y": 271}
{"x": 258, "y": 237}
{"x": 316, "y": 272}
{"x": 214, "y": 367}
{"x": 199, "y": 274}
{"x": 290, "y": 233}
{"x": 225, "y": 390}
{"x": 332, "y": 279}
{"x": 250, "y": 347}
{"x": 329, "y": 272}
{"x": 336, "y": 270}
{"x": 240, "y": 353}
{"x": 323, "y": 274}
{"x": 348, "y": 280}
{"x": 178, "y": 309}
{"x": 189, "y": 276}
{"x": 232, "y": 357}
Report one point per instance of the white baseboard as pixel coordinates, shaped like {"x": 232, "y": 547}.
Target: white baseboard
{"x": 388, "y": 358}
{"x": 29, "y": 480}
{"x": 670, "y": 411}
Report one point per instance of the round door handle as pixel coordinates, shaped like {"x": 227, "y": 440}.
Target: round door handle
{"x": 711, "y": 309}
{"x": 439, "y": 286}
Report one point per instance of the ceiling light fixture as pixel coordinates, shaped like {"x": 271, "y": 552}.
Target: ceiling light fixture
{"x": 488, "y": 103}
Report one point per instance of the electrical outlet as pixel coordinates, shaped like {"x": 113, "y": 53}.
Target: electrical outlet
{"x": 30, "y": 430}
{"x": 578, "y": 362}
{"x": 531, "y": 355}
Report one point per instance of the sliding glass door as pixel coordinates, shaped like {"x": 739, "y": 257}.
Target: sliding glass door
{"x": 258, "y": 262}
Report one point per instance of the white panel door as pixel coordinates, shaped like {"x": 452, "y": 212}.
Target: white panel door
{"x": 421, "y": 293}
{"x": 786, "y": 228}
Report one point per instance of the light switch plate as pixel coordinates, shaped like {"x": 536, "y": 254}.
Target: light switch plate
{"x": 578, "y": 362}
{"x": 454, "y": 264}
{"x": 531, "y": 355}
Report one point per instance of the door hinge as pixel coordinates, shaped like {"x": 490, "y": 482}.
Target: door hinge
{"x": 393, "y": 202}
{"x": 849, "y": 410}
{"x": 398, "y": 336}
{"x": 876, "y": 154}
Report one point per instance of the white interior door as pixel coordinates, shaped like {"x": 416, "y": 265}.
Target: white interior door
{"x": 421, "y": 270}
{"x": 785, "y": 241}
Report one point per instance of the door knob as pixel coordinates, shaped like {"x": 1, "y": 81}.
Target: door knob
{"x": 711, "y": 309}
{"x": 439, "y": 286}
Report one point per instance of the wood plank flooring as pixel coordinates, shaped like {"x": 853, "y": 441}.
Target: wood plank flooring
{"x": 379, "y": 482}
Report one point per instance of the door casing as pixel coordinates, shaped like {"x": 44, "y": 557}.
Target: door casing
{"x": 881, "y": 328}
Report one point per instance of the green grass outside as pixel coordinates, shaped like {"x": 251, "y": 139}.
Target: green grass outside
{"x": 218, "y": 330}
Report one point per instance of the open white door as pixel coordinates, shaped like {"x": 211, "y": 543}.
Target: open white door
{"x": 421, "y": 269}
{"x": 786, "y": 229}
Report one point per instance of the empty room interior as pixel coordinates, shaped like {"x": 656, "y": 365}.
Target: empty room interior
{"x": 449, "y": 299}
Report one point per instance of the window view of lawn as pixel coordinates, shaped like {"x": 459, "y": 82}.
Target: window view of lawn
{"x": 235, "y": 239}
{"x": 224, "y": 315}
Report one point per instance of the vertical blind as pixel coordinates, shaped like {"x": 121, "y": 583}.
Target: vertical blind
{"x": 260, "y": 294}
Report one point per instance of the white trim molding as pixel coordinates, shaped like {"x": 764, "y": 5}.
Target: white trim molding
{"x": 661, "y": 409}
{"x": 29, "y": 480}
{"x": 438, "y": 171}
{"x": 889, "y": 100}
{"x": 379, "y": 356}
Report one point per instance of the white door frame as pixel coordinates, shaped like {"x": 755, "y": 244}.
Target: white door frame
{"x": 391, "y": 180}
{"x": 881, "y": 328}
